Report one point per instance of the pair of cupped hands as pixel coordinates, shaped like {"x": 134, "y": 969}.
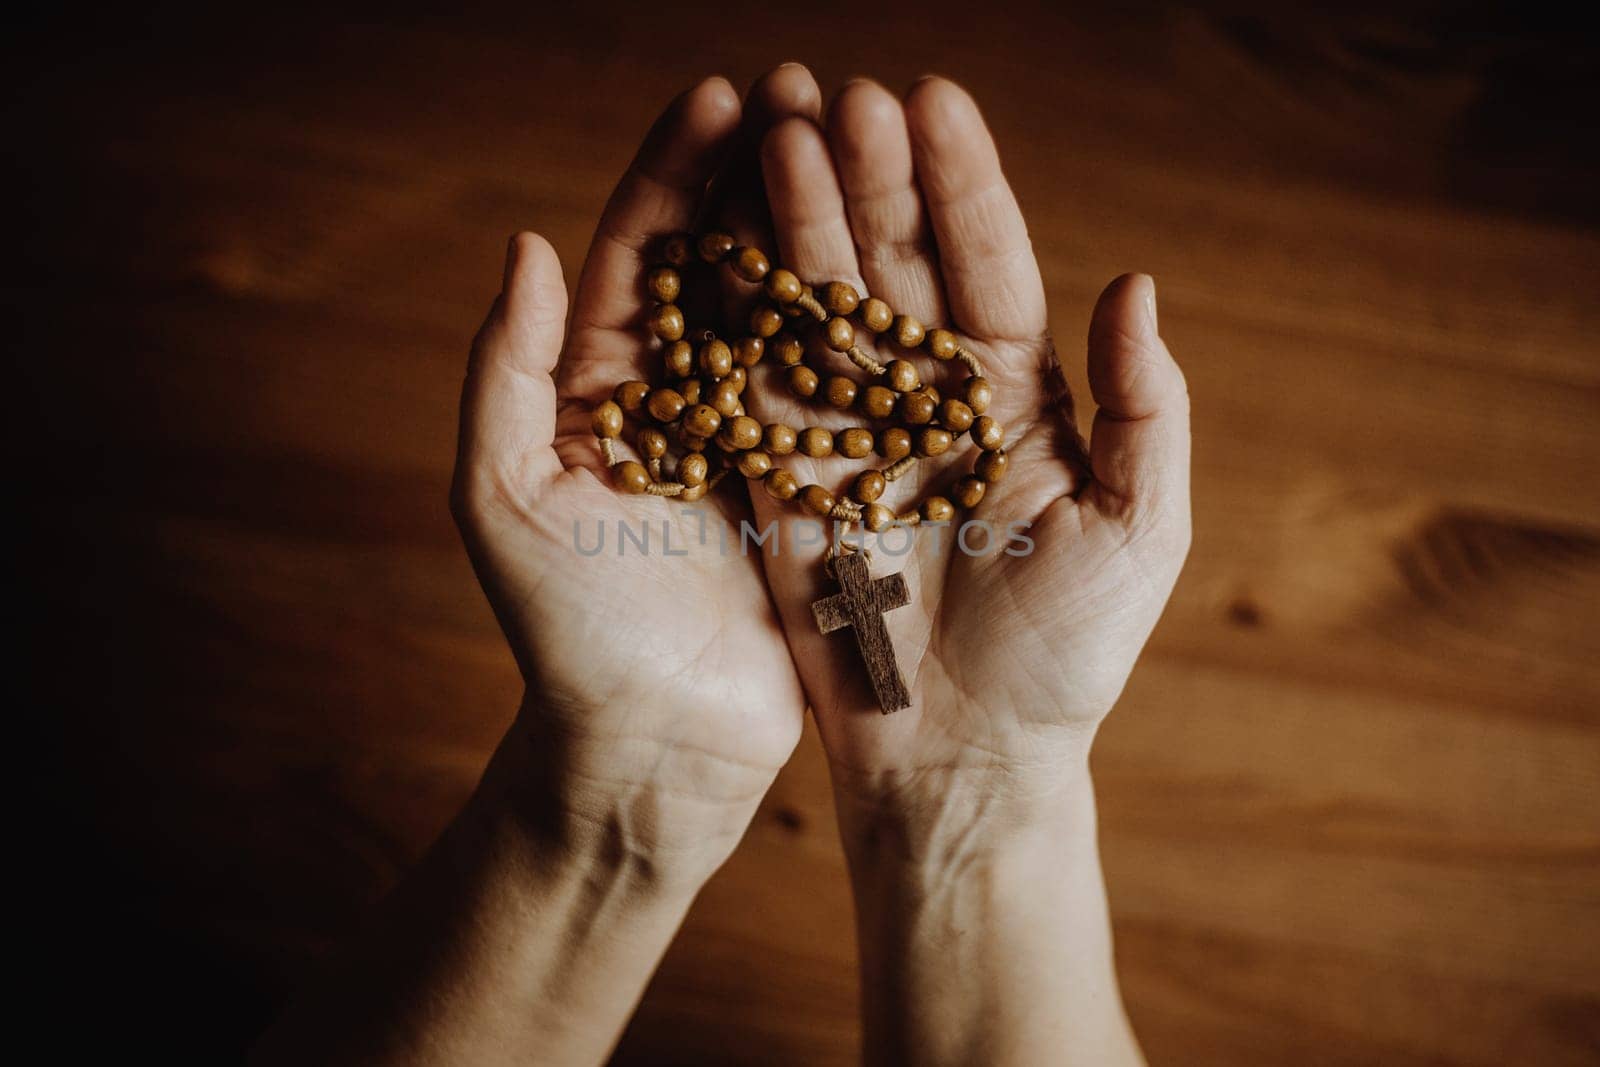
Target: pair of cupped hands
{"x": 665, "y": 692}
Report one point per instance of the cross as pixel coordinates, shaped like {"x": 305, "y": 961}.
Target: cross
{"x": 861, "y": 604}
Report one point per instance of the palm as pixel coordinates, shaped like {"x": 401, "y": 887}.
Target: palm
{"x": 645, "y": 647}
{"x": 1009, "y": 658}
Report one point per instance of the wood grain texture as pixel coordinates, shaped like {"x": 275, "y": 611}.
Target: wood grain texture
{"x": 860, "y": 605}
{"x": 1349, "y": 797}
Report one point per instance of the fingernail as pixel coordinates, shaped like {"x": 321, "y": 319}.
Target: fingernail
{"x": 1151, "y": 319}
{"x": 710, "y": 80}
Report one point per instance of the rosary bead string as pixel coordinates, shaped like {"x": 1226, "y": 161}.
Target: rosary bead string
{"x": 701, "y": 406}
{"x": 809, "y": 303}
{"x": 894, "y": 470}
{"x": 864, "y": 361}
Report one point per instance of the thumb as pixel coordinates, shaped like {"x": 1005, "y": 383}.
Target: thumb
{"x": 508, "y": 403}
{"x": 1140, "y": 445}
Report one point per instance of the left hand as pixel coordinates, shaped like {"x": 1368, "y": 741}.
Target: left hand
{"x": 1011, "y": 661}
{"x": 661, "y": 699}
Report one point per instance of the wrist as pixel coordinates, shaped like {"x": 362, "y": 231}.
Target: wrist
{"x": 985, "y": 915}
{"x": 948, "y": 818}
{"x": 609, "y": 806}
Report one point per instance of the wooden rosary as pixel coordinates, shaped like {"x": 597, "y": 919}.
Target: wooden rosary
{"x": 697, "y": 421}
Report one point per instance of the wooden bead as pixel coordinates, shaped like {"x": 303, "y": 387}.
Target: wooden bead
{"x": 802, "y": 381}
{"x": 678, "y": 250}
{"x": 666, "y": 322}
{"x": 876, "y": 402}
{"x": 725, "y": 398}
{"x": 607, "y": 419}
{"x": 816, "y": 442}
{"x": 691, "y": 493}
{"x": 716, "y": 358}
{"x": 817, "y": 500}
{"x": 783, "y": 286}
{"x": 968, "y": 491}
{"x": 665, "y": 405}
{"x": 702, "y": 420}
{"x": 942, "y": 344}
{"x": 750, "y": 263}
{"x": 854, "y": 443}
{"x": 955, "y": 416}
{"x": 933, "y": 394}
{"x": 755, "y": 463}
{"x": 779, "y": 439}
{"x": 664, "y": 284}
{"x": 987, "y": 433}
{"x": 841, "y": 335}
{"x": 876, "y": 315}
{"x": 902, "y": 376}
{"x": 693, "y": 469}
{"x": 715, "y": 246}
{"x": 916, "y": 409}
{"x": 894, "y": 443}
{"x": 840, "y": 298}
{"x": 787, "y": 349}
{"x": 868, "y": 486}
{"x": 977, "y": 392}
{"x": 780, "y": 484}
{"x": 991, "y": 466}
{"x": 937, "y": 509}
{"x": 737, "y": 377}
{"x": 631, "y": 477}
{"x": 652, "y": 443}
{"x": 877, "y": 517}
{"x": 931, "y": 441}
{"x": 690, "y": 389}
{"x": 765, "y": 321}
{"x": 841, "y": 391}
{"x": 739, "y": 433}
{"x": 678, "y": 359}
{"x": 689, "y": 441}
{"x": 630, "y": 396}
{"x": 907, "y": 332}
{"x": 747, "y": 351}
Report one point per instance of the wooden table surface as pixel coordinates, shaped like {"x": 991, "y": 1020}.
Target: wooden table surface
{"x": 1351, "y": 800}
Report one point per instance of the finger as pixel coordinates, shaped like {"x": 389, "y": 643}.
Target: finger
{"x": 990, "y": 276}
{"x": 807, "y": 204}
{"x": 1140, "y": 444}
{"x": 894, "y": 243}
{"x": 659, "y": 194}
{"x": 738, "y": 201}
{"x": 508, "y": 403}
{"x": 813, "y": 240}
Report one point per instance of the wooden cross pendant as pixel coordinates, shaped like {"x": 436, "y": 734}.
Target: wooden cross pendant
{"x": 860, "y": 605}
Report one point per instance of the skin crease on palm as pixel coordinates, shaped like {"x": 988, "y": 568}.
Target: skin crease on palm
{"x": 671, "y": 681}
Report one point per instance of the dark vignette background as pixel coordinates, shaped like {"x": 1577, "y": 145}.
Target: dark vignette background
{"x": 1349, "y": 801}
